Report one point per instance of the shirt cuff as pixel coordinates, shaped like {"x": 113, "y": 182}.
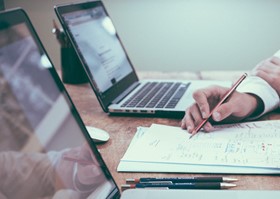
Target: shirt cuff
{"x": 259, "y": 87}
{"x": 277, "y": 54}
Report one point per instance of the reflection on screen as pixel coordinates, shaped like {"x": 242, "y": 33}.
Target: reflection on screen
{"x": 43, "y": 153}
{"x": 102, "y": 52}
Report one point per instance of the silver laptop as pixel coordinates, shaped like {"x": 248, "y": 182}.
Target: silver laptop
{"x": 110, "y": 71}
{"x": 45, "y": 149}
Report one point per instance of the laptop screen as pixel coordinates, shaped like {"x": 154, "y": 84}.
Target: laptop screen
{"x": 45, "y": 150}
{"x": 100, "y": 50}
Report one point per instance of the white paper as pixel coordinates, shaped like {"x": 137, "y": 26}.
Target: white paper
{"x": 252, "y": 147}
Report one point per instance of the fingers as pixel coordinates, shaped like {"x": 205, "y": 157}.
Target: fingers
{"x": 269, "y": 70}
{"x": 193, "y": 118}
{"x": 205, "y": 100}
{"x": 223, "y": 111}
{"x": 267, "y": 67}
{"x": 239, "y": 105}
{"x": 201, "y": 97}
{"x": 188, "y": 121}
{"x": 264, "y": 75}
{"x": 275, "y": 60}
{"x": 89, "y": 174}
{"x": 270, "y": 66}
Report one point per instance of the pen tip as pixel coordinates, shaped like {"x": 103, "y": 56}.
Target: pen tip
{"x": 225, "y": 179}
{"x": 227, "y": 185}
{"x": 127, "y": 186}
{"x": 130, "y": 180}
{"x": 191, "y": 136}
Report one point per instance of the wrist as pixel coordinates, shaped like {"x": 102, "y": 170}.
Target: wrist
{"x": 257, "y": 105}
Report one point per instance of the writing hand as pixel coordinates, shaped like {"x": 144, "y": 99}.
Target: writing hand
{"x": 239, "y": 106}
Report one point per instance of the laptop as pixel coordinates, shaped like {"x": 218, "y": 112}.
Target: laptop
{"x": 45, "y": 149}
{"x": 110, "y": 71}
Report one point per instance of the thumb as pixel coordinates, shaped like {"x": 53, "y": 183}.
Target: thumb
{"x": 222, "y": 112}
{"x": 89, "y": 174}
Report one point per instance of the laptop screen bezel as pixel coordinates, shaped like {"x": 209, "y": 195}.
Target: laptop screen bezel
{"x": 107, "y": 97}
{"x": 17, "y": 16}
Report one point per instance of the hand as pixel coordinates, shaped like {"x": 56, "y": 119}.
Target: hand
{"x": 78, "y": 169}
{"x": 89, "y": 174}
{"x": 269, "y": 70}
{"x": 239, "y": 106}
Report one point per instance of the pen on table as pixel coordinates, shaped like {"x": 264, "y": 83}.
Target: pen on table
{"x": 209, "y": 185}
{"x": 180, "y": 180}
{"x": 226, "y": 96}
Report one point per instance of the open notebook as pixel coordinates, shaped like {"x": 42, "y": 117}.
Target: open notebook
{"x": 251, "y": 148}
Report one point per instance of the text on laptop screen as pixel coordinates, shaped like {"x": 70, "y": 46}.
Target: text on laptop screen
{"x": 43, "y": 151}
{"x": 102, "y": 52}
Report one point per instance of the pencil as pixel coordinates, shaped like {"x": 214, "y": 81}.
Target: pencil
{"x": 226, "y": 96}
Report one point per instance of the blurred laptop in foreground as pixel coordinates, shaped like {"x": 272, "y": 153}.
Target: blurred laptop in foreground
{"x": 45, "y": 149}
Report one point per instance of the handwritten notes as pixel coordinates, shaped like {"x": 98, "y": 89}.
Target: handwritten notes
{"x": 251, "y": 145}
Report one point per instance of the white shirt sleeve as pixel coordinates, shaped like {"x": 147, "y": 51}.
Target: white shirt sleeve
{"x": 277, "y": 54}
{"x": 259, "y": 87}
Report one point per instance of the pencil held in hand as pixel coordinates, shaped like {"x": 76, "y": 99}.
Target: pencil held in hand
{"x": 226, "y": 97}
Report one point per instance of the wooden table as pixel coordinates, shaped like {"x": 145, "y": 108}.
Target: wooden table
{"x": 122, "y": 128}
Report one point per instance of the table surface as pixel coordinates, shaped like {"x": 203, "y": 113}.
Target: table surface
{"x": 123, "y": 128}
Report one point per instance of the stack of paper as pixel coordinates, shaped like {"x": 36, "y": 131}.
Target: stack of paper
{"x": 252, "y": 147}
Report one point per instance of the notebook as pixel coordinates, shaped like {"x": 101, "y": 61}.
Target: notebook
{"x": 45, "y": 149}
{"x": 110, "y": 71}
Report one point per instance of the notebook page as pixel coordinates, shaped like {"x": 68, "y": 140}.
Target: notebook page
{"x": 253, "y": 144}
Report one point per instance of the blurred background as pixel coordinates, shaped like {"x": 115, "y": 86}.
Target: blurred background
{"x": 179, "y": 35}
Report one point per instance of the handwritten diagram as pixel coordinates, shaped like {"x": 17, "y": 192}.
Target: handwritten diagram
{"x": 254, "y": 144}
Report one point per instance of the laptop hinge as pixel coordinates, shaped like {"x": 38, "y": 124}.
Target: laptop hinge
{"x": 126, "y": 92}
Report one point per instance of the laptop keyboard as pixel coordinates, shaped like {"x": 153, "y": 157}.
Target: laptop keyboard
{"x": 157, "y": 95}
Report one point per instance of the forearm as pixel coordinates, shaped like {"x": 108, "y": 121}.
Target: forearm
{"x": 26, "y": 175}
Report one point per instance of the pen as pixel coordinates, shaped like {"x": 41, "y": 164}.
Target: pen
{"x": 180, "y": 180}
{"x": 214, "y": 185}
{"x": 226, "y": 96}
